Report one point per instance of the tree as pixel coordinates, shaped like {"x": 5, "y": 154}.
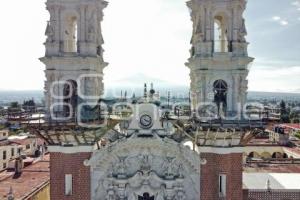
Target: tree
{"x": 14, "y": 105}
{"x": 295, "y": 115}
{"x": 284, "y": 113}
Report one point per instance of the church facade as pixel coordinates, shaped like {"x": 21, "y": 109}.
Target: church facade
{"x": 147, "y": 163}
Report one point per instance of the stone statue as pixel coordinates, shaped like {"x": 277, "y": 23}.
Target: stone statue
{"x": 110, "y": 172}
{"x": 91, "y": 33}
{"x": 180, "y": 196}
{"x": 89, "y": 86}
{"x": 180, "y": 171}
{"x": 131, "y": 196}
{"x": 198, "y": 32}
{"x": 129, "y": 193}
{"x": 168, "y": 167}
{"x": 144, "y": 162}
{"x": 122, "y": 168}
{"x": 161, "y": 194}
{"x": 242, "y": 32}
{"x": 49, "y": 32}
{"x": 111, "y": 195}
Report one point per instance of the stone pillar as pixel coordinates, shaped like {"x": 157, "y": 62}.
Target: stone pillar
{"x": 236, "y": 92}
{"x": 82, "y": 23}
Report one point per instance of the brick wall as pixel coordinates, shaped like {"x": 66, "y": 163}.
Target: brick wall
{"x": 273, "y": 195}
{"x": 61, "y": 164}
{"x": 229, "y": 164}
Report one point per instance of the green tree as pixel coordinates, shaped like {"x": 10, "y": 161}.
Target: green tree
{"x": 14, "y": 105}
{"x": 284, "y": 113}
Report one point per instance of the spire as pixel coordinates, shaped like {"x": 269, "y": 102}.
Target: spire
{"x": 145, "y": 90}
{"x": 152, "y": 91}
{"x": 10, "y": 195}
{"x": 269, "y": 185}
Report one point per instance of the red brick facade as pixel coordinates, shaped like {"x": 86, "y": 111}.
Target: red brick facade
{"x": 61, "y": 164}
{"x": 272, "y": 195}
{"x": 228, "y": 164}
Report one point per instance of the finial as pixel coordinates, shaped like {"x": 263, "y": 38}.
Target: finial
{"x": 145, "y": 90}
{"x": 10, "y": 195}
{"x": 269, "y": 185}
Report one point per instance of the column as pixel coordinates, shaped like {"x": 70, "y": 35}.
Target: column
{"x": 82, "y": 23}
{"x": 235, "y": 91}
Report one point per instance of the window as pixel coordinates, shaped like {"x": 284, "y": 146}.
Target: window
{"x": 12, "y": 152}
{"x": 220, "y": 90}
{"x": 70, "y": 34}
{"x": 222, "y": 185}
{"x": 68, "y": 184}
{"x": 220, "y": 34}
{"x": 4, "y": 155}
{"x": 27, "y": 146}
{"x": 4, "y": 166}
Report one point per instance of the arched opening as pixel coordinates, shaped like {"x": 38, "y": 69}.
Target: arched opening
{"x": 146, "y": 196}
{"x": 253, "y": 154}
{"x": 266, "y": 155}
{"x": 70, "y": 98}
{"x": 277, "y": 155}
{"x": 220, "y": 34}
{"x": 220, "y": 91}
{"x": 71, "y": 34}
{"x": 285, "y": 155}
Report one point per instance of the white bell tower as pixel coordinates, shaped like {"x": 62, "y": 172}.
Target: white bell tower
{"x": 219, "y": 58}
{"x": 74, "y": 54}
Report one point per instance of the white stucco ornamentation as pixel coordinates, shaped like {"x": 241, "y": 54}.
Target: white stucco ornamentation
{"x": 145, "y": 163}
{"x": 74, "y": 54}
{"x": 219, "y": 58}
{"x": 135, "y": 166}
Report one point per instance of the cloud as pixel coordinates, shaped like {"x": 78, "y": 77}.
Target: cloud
{"x": 281, "y": 21}
{"x": 276, "y": 18}
{"x": 296, "y": 3}
{"x": 283, "y": 79}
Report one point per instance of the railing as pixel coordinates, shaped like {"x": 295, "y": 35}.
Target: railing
{"x": 221, "y": 46}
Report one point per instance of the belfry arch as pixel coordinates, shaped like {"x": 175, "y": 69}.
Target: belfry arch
{"x": 70, "y": 33}
{"x": 220, "y": 89}
{"x": 221, "y": 37}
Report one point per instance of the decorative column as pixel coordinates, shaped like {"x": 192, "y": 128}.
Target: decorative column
{"x": 235, "y": 90}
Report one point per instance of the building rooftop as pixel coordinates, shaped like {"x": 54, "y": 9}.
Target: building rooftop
{"x": 33, "y": 178}
{"x": 278, "y": 181}
{"x": 272, "y": 168}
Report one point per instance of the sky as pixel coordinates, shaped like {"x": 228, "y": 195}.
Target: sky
{"x": 151, "y": 38}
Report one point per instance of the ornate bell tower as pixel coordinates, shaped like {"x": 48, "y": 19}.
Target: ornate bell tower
{"x": 74, "y": 55}
{"x": 219, "y": 59}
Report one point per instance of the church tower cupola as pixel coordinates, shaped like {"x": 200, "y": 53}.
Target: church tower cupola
{"x": 219, "y": 58}
{"x": 74, "y": 56}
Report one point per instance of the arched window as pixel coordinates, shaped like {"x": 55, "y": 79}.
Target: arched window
{"x": 70, "y": 34}
{"x": 220, "y": 34}
{"x": 70, "y": 97}
{"x": 146, "y": 196}
{"x": 277, "y": 155}
{"x": 253, "y": 155}
{"x": 220, "y": 90}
